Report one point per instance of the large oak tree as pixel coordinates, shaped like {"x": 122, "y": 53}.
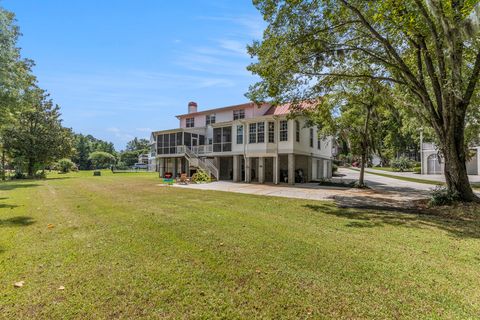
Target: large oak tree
{"x": 429, "y": 48}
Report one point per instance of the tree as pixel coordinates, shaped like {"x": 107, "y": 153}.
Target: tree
{"x": 37, "y": 137}
{"x": 430, "y": 49}
{"x": 85, "y": 145}
{"x": 101, "y": 159}
{"x": 138, "y": 145}
{"x": 129, "y": 158}
{"x": 15, "y": 76}
{"x": 354, "y": 113}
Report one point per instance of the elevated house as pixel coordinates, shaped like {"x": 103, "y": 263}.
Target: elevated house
{"x": 245, "y": 142}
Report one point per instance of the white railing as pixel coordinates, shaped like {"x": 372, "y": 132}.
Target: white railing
{"x": 204, "y": 164}
{"x": 203, "y": 149}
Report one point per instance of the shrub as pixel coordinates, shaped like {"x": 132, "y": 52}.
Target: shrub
{"x": 201, "y": 177}
{"x": 334, "y": 168}
{"x": 417, "y": 169}
{"x": 401, "y": 164}
{"x": 65, "y": 165}
{"x": 442, "y": 197}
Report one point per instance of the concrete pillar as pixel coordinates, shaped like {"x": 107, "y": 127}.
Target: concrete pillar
{"x": 276, "y": 169}
{"x": 320, "y": 169}
{"x": 161, "y": 164}
{"x": 309, "y": 169}
{"x": 261, "y": 169}
{"x": 236, "y": 168}
{"x": 291, "y": 168}
{"x": 248, "y": 169}
{"x": 175, "y": 167}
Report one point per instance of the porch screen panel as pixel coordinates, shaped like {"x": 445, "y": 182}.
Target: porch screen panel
{"x": 179, "y": 139}
{"x": 187, "y": 138}
{"x": 217, "y": 140}
{"x": 227, "y": 139}
{"x": 173, "y": 140}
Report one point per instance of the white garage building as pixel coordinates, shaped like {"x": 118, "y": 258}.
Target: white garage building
{"x": 433, "y": 163}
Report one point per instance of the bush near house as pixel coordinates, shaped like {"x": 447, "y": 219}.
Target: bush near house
{"x": 201, "y": 177}
{"x": 402, "y": 164}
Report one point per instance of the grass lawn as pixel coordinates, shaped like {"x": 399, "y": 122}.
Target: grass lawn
{"x": 389, "y": 169}
{"x": 124, "y": 247}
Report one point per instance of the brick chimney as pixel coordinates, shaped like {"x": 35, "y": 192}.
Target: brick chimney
{"x": 192, "y": 107}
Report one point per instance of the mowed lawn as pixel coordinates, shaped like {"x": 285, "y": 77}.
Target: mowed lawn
{"x": 124, "y": 247}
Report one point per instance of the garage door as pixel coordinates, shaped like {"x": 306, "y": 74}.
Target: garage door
{"x": 433, "y": 164}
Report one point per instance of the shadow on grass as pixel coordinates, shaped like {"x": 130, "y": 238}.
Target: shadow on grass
{"x": 7, "y": 206}
{"x": 20, "y": 221}
{"x": 461, "y": 226}
{"x": 5, "y": 186}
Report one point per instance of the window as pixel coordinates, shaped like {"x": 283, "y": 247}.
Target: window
{"x": 283, "y": 130}
{"x": 238, "y": 114}
{"x": 261, "y": 132}
{"x": 297, "y": 131}
{"x": 240, "y": 134}
{"x": 190, "y": 122}
{"x": 209, "y": 119}
{"x": 319, "y": 144}
{"x": 252, "y": 133}
{"x": 311, "y": 137}
{"x": 271, "y": 132}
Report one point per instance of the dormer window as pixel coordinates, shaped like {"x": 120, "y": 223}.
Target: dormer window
{"x": 238, "y": 114}
{"x": 209, "y": 119}
{"x": 190, "y": 122}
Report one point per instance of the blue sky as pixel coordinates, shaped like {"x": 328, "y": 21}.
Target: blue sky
{"x": 121, "y": 68}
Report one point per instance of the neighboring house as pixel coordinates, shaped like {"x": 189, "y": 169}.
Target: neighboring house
{"x": 143, "y": 158}
{"x": 244, "y": 142}
{"x": 433, "y": 163}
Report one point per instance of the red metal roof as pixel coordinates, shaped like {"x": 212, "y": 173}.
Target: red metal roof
{"x": 288, "y": 107}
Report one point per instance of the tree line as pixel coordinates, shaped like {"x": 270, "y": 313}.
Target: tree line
{"x": 32, "y": 136}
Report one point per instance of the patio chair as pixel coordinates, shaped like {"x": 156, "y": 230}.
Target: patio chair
{"x": 184, "y": 179}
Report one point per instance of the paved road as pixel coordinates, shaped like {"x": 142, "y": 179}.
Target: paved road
{"x": 434, "y": 177}
{"x": 380, "y": 183}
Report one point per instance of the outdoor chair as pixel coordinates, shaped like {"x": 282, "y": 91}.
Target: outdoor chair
{"x": 184, "y": 179}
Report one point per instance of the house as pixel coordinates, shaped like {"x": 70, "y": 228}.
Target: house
{"x": 432, "y": 160}
{"x": 143, "y": 158}
{"x": 245, "y": 142}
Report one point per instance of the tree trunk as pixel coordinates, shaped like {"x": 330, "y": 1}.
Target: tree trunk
{"x": 455, "y": 165}
{"x": 3, "y": 165}
{"x": 365, "y": 145}
{"x": 31, "y": 168}
{"x": 361, "y": 179}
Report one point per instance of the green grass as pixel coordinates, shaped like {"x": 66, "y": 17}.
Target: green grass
{"x": 389, "y": 169}
{"x": 124, "y": 247}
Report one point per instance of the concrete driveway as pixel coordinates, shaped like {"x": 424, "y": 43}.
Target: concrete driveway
{"x": 385, "y": 193}
{"x": 431, "y": 177}
{"x": 386, "y": 184}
